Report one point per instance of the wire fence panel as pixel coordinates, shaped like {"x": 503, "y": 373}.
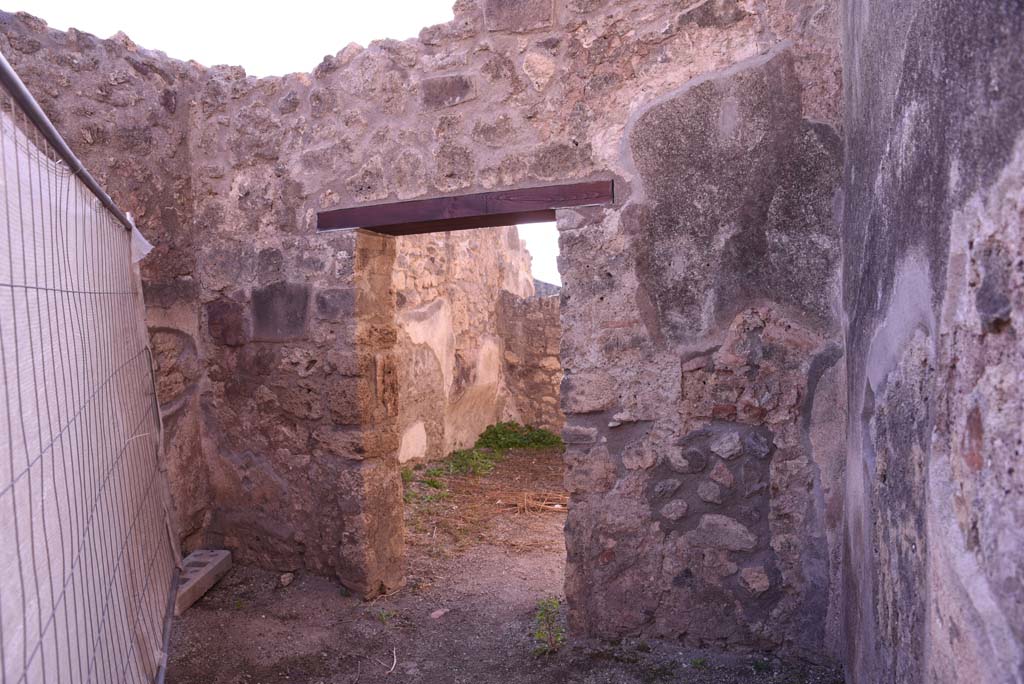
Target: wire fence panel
{"x": 86, "y": 558}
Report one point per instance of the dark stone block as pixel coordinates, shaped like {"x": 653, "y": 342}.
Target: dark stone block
{"x": 758, "y": 445}
{"x": 336, "y": 304}
{"x": 270, "y": 265}
{"x": 691, "y": 461}
{"x": 993, "y": 296}
{"x": 517, "y": 16}
{"x": 342, "y": 397}
{"x": 164, "y": 295}
{"x": 447, "y": 91}
{"x": 666, "y": 488}
{"x": 279, "y": 312}
{"x": 227, "y": 323}
{"x": 289, "y": 103}
{"x": 713, "y": 13}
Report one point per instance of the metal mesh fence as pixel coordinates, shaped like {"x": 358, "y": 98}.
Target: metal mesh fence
{"x": 86, "y": 558}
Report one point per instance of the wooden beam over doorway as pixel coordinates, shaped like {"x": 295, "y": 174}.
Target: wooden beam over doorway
{"x": 462, "y": 212}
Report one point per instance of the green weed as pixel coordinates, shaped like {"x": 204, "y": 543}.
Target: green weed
{"x": 385, "y": 616}
{"x": 502, "y": 436}
{"x": 548, "y": 634}
{"x": 472, "y": 462}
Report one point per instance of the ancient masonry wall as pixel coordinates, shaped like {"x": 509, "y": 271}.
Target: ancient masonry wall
{"x": 757, "y": 459}
{"x": 699, "y": 348}
{"x": 532, "y": 332}
{"x": 934, "y": 303}
{"x": 453, "y": 381}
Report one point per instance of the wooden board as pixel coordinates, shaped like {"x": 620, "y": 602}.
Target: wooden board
{"x": 462, "y": 212}
{"x": 201, "y": 570}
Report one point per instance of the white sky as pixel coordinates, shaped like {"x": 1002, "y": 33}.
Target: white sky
{"x": 293, "y": 36}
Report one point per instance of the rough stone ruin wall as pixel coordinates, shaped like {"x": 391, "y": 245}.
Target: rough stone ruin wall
{"x": 934, "y": 297}
{"x": 532, "y": 331}
{"x": 298, "y": 398}
{"x": 759, "y": 272}
{"x": 454, "y": 378}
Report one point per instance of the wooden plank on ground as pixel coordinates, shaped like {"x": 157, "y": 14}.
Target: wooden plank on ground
{"x": 201, "y": 570}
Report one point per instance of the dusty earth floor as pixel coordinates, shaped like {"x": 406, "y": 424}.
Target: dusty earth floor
{"x": 482, "y": 551}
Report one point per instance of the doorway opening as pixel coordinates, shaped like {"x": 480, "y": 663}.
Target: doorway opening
{"x": 479, "y": 421}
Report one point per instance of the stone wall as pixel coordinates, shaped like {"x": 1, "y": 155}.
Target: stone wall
{"x": 532, "y": 333}
{"x": 756, "y": 459}
{"x": 934, "y": 303}
{"x": 699, "y": 349}
{"x": 448, "y": 287}
{"x": 700, "y": 382}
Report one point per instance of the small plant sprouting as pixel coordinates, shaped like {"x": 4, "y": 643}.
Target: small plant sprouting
{"x": 548, "y": 634}
{"x": 699, "y": 663}
{"x": 761, "y": 666}
{"x": 407, "y": 475}
{"x": 385, "y": 616}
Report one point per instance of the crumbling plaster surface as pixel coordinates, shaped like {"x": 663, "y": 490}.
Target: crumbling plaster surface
{"x": 684, "y": 331}
{"x": 933, "y": 307}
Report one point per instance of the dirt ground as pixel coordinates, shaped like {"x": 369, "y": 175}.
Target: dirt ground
{"x": 482, "y": 551}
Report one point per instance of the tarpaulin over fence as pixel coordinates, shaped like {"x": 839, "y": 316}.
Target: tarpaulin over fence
{"x": 86, "y": 558}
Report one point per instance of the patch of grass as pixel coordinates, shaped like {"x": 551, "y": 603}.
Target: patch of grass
{"x": 472, "y": 462}
{"x": 761, "y": 666}
{"x": 548, "y": 633}
{"x": 699, "y": 663}
{"x": 436, "y": 471}
{"x": 490, "y": 447}
{"x": 502, "y": 436}
{"x": 434, "y": 483}
{"x": 407, "y": 475}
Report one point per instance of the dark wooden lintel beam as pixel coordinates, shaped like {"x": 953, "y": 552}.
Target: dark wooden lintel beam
{"x": 461, "y": 212}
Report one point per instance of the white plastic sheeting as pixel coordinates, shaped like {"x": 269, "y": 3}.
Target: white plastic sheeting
{"x": 86, "y": 558}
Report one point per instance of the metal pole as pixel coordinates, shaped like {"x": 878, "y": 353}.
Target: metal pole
{"x": 16, "y": 88}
